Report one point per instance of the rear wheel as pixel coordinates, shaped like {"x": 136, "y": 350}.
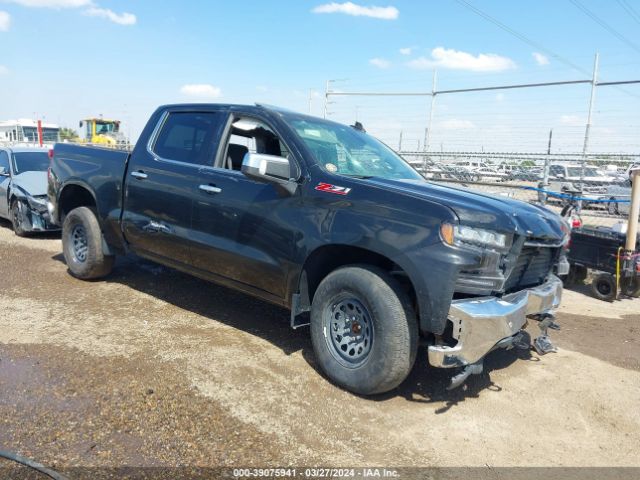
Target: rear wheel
{"x": 364, "y": 329}
{"x": 604, "y": 287}
{"x": 19, "y": 217}
{"x": 630, "y": 286}
{"x": 82, "y": 245}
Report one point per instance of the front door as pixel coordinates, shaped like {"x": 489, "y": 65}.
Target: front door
{"x": 5, "y": 180}
{"x": 241, "y": 227}
{"x": 163, "y": 179}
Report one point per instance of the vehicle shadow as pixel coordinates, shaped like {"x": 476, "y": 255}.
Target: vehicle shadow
{"x": 271, "y": 323}
{"x": 427, "y": 384}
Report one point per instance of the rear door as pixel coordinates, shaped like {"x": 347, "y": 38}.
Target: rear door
{"x": 163, "y": 178}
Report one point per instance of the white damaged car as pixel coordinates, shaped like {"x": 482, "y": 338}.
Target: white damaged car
{"x": 23, "y": 189}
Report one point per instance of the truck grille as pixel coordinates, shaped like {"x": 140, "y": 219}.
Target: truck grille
{"x": 531, "y": 268}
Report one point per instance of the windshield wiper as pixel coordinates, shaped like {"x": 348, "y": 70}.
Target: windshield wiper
{"x": 363, "y": 177}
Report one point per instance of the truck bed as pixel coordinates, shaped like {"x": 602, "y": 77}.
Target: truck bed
{"x": 100, "y": 168}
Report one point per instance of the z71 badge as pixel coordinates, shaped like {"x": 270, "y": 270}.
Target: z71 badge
{"x": 327, "y": 187}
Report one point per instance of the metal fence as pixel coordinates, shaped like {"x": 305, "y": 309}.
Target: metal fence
{"x": 558, "y": 141}
{"x": 598, "y": 189}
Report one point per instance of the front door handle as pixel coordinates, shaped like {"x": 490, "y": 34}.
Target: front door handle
{"x": 210, "y": 189}
{"x": 140, "y": 175}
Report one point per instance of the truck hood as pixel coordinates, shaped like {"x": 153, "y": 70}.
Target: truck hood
{"x": 33, "y": 183}
{"x": 492, "y": 212}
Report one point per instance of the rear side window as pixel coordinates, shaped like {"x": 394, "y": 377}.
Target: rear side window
{"x": 190, "y": 137}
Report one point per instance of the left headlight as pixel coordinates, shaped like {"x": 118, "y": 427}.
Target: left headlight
{"x": 38, "y": 202}
{"x": 462, "y": 235}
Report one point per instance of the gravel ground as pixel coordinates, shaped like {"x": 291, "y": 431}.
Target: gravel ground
{"x": 154, "y": 368}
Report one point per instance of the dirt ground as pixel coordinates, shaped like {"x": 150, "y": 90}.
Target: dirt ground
{"x": 151, "y": 367}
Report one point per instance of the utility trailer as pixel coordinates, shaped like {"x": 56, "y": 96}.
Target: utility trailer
{"x": 603, "y": 250}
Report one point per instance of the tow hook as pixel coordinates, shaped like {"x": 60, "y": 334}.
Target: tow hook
{"x": 543, "y": 344}
{"x": 459, "y": 379}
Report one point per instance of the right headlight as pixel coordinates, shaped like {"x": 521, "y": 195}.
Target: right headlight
{"x": 461, "y": 235}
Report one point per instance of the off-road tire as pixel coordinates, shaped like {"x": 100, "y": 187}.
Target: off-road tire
{"x": 16, "y": 218}
{"x": 86, "y": 262}
{"x": 394, "y": 342}
{"x": 604, "y": 287}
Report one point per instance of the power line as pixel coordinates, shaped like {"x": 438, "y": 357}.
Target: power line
{"x": 522, "y": 37}
{"x": 629, "y": 9}
{"x": 605, "y": 25}
{"x": 531, "y": 42}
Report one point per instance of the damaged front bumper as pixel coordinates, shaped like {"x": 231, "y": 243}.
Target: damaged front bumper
{"x": 35, "y": 217}
{"x": 481, "y": 325}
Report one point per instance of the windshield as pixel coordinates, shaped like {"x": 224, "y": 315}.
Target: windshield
{"x": 588, "y": 172}
{"x": 104, "y": 128}
{"x": 30, "y": 162}
{"x": 346, "y": 151}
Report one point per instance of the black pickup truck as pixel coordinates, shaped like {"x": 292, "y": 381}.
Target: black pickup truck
{"x": 320, "y": 218}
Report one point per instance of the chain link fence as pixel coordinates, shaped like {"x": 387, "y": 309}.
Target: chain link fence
{"x": 596, "y": 186}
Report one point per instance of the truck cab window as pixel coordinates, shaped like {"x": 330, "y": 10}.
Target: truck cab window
{"x": 251, "y": 136}
{"x": 189, "y": 137}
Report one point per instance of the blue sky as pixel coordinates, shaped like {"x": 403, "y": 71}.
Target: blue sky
{"x": 68, "y": 59}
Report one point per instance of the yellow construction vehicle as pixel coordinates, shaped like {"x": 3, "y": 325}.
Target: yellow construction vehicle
{"x": 100, "y": 131}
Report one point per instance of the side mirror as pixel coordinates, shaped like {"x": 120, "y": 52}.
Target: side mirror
{"x": 4, "y": 172}
{"x": 81, "y": 124}
{"x": 269, "y": 169}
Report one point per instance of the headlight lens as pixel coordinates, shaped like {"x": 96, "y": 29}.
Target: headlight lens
{"x": 39, "y": 201}
{"x": 463, "y": 235}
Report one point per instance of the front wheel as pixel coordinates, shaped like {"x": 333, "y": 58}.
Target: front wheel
{"x": 363, "y": 329}
{"x": 630, "y": 286}
{"x": 19, "y": 217}
{"x": 82, "y": 245}
{"x": 612, "y": 208}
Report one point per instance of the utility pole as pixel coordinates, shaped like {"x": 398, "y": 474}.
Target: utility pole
{"x": 427, "y": 140}
{"x": 587, "y": 131}
{"x": 310, "y": 99}
{"x": 400, "y": 142}
{"x": 326, "y": 98}
{"x": 545, "y": 176}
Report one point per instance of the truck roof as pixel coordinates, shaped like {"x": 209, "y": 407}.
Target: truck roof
{"x": 18, "y": 149}
{"x": 232, "y": 106}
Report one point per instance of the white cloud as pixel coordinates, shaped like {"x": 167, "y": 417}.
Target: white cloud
{"x": 119, "y": 18}
{"x": 91, "y": 9}
{"x": 3, "y": 70}
{"x": 5, "y": 21}
{"x": 500, "y": 97}
{"x": 380, "y": 63}
{"x": 406, "y": 51}
{"x": 458, "y": 60}
{"x": 457, "y": 124}
{"x": 201, "y": 90}
{"x": 540, "y": 59}
{"x": 262, "y": 88}
{"x": 349, "y": 8}
{"x": 53, "y": 3}
{"x": 572, "y": 120}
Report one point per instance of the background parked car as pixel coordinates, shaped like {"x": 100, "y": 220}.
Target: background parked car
{"x": 23, "y": 189}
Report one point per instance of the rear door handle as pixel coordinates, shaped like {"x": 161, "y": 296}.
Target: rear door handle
{"x": 210, "y": 189}
{"x": 140, "y": 175}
